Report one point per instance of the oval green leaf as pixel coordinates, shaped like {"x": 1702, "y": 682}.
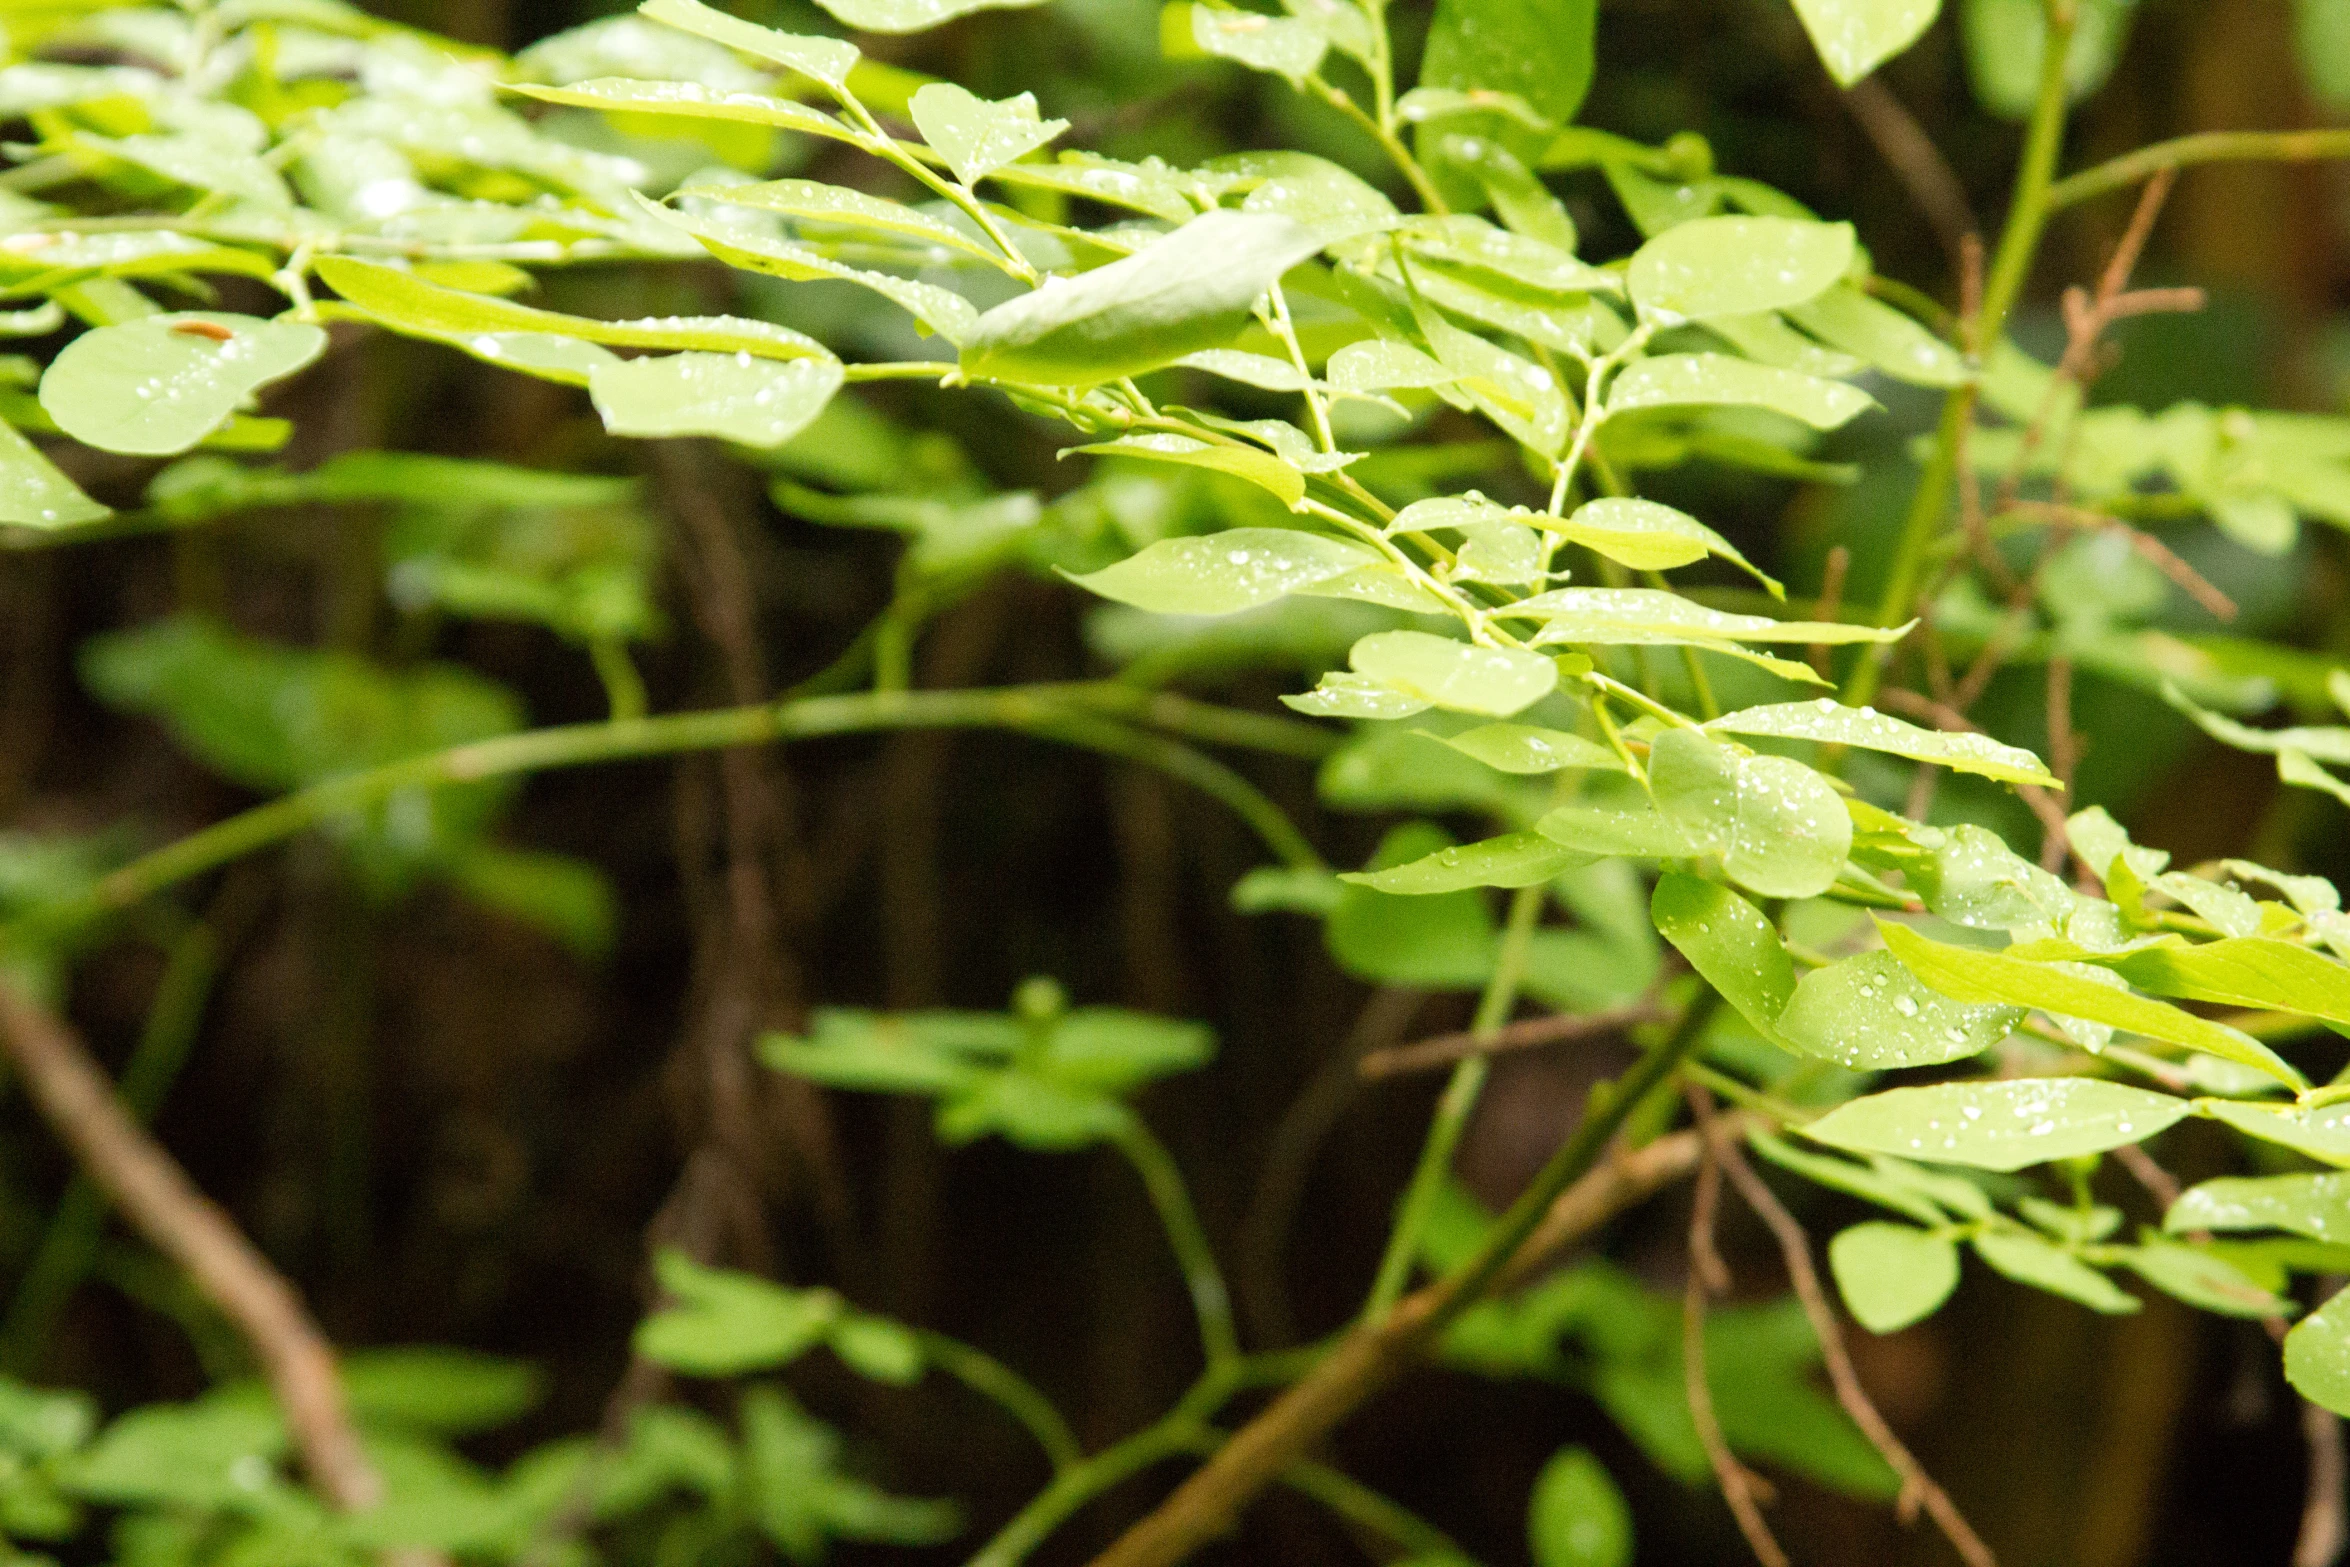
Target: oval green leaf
{"x": 162, "y": 383}
{"x": 1892, "y": 1275}
{"x": 1998, "y": 1125}
{"x": 1736, "y": 266}
{"x": 753, "y": 402}
{"x": 1223, "y": 573}
{"x": 1869, "y": 1013}
{"x": 1497, "y": 682}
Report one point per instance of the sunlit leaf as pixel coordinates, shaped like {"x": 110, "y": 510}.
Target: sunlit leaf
{"x": 1220, "y": 573}
{"x": 2317, "y": 1206}
{"x": 1854, "y": 37}
{"x": 910, "y": 16}
{"x": 1280, "y": 45}
{"x": 1846, "y": 318}
{"x": 1647, "y": 536}
{"x": 1497, "y": 682}
{"x": 2204, "y": 1280}
{"x": 2029, "y": 1260}
{"x": 1730, "y": 944}
{"x": 1736, "y": 266}
{"x": 815, "y": 202}
{"x": 1259, "y": 468}
{"x": 2317, "y": 1356}
{"x": 1892, "y": 1275}
{"x": 827, "y": 60}
{"x": 755, "y": 402}
{"x": 1717, "y": 380}
{"x": 1832, "y": 723}
{"x": 33, "y": 494}
{"x": 1779, "y": 827}
{"x": 162, "y": 383}
{"x": 1524, "y": 748}
{"x": 2006, "y": 1125}
{"x": 1521, "y": 859}
{"x": 975, "y": 136}
{"x": 1539, "y": 50}
{"x": 1869, "y": 1013}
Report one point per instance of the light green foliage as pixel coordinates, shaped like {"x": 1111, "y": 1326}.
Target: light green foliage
{"x": 2317, "y": 1206}
{"x": 723, "y": 1324}
{"x": 756, "y": 402}
{"x": 1854, "y": 37}
{"x": 977, "y": 137}
{"x": 162, "y": 383}
{"x": 1892, "y": 1275}
{"x": 2006, "y": 40}
{"x": 1538, "y": 50}
{"x": 1999, "y": 1125}
{"x": 1869, "y": 1013}
{"x": 1577, "y": 1517}
{"x": 1737, "y": 266}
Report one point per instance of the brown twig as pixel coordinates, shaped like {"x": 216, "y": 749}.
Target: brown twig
{"x": 2080, "y": 518}
{"x": 2160, "y": 1184}
{"x": 1928, "y": 177}
{"x": 155, "y": 1194}
{"x": 1917, "y": 1487}
{"x": 1444, "y": 1049}
{"x": 2043, "y": 804}
{"x": 1744, "y": 1490}
{"x": 1832, "y": 576}
{"x": 2064, "y": 753}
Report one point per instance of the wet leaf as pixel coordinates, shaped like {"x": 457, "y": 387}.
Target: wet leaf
{"x": 1539, "y": 50}
{"x": 1832, "y": 723}
{"x": 2005, "y": 1125}
{"x": 827, "y": 60}
{"x": 911, "y": 16}
{"x": 1519, "y": 859}
{"x": 1713, "y": 267}
{"x": 1892, "y": 1275}
{"x": 1854, "y": 37}
{"x": 2317, "y": 1355}
{"x": 1648, "y": 536}
{"x": 2029, "y": 1260}
{"x": 1497, "y": 682}
{"x": 1282, "y": 46}
{"x": 1221, "y": 573}
{"x": 33, "y": 494}
{"x": 1259, "y": 468}
{"x": 1523, "y": 748}
{"x": 1717, "y": 380}
{"x": 2317, "y": 1206}
{"x": 162, "y": 383}
{"x": 1730, "y": 944}
{"x": 977, "y": 136}
{"x": 754, "y": 402}
{"x": 1846, "y": 318}
{"x": 1869, "y": 1013}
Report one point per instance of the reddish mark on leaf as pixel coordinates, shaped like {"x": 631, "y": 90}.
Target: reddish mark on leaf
{"x": 210, "y": 329}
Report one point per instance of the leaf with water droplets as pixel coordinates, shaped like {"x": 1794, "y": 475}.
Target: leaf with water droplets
{"x": 754, "y": 402}
{"x": 1779, "y": 827}
{"x": 1496, "y": 682}
{"x": 1968, "y": 974}
{"x": 1189, "y": 290}
{"x": 1729, "y": 942}
{"x": 933, "y": 308}
{"x": 1615, "y": 815}
{"x": 1259, "y": 468}
{"x": 1518, "y": 859}
{"x": 1375, "y": 366}
{"x": 2244, "y": 971}
{"x": 1540, "y": 50}
{"x": 2317, "y": 1206}
{"x": 1737, "y": 266}
{"x": 689, "y": 100}
{"x": 2028, "y": 1259}
{"x": 1874, "y": 332}
{"x": 816, "y": 202}
{"x": 162, "y": 383}
{"x": 1854, "y": 37}
{"x": 33, "y": 494}
{"x": 911, "y": 16}
{"x": 2005, "y": 1125}
{"x": 2317, "y": 1355}
{"x": 1892, "y": 1275}
{"x": 827, "y": 60}
{"x": 1524, "y": 748}
{"x": 1649, "y": 536}
{"x": 1280, "y": 45}
{"x": 1869, "y": 1013}
{"x": 2320, "y": 1131}
{"x": 1344, "y": 694}
{"x": 2204, "y": 1280}
{"x": 1632, "y": 616}
{"x": 978, "y": 136}
{"x": 1718, "y": 380}
{"x": 1832, "y": 723}
{"x": 1222, "y": 573}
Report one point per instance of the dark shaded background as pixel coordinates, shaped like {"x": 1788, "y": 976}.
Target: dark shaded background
{"x": 448, "y": 1131}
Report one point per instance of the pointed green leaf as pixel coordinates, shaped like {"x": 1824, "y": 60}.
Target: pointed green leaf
{"x": 2317, "y": 1355}
{"x": 1736, "y": 266}
{"x": 1444, "y": 942}
{"x": 935, "y": 309}
{"x": 1892, "y": 1275}
{"x": 1280, "y": 45}
{"x": 1375, "y": 366}
{"x": 911, "y": 16}
{"x": 688, "y": 100}
{"x": 1540, "y": 50}
{"x": 723, "y": 1323}
{"x": 1832, "y": 723}
{"x": 2029, "y": 1260}
{"x": 1854, "y": 37}
{"x": 1968, "y": 974}
{"x": 1221, "y": 573}
{"x": 1648, "y": 536}
{"x": 977, "y": 136}
{"x": 33, "y": 494}
{"x": 827, "y": 60}
{"x": 1262, "y": 469}
{"x": 1629, "y": 616}
{"x": 2245, "y": 971}
{"x": 2322, "y": 1131}
{"x": 1616, "y": 816}
{"x": 1867, "y": 1182}
{"x": 1523, "y": 748}
{"x": 1190, "y": 290}
{"x": 2204, "y": 1281}
{"x": 1846, "y": 318}
{"x": 1519, "y": 859}
{"x": 1717, "y": 380}
{"x": 1343, "y": 694}
{"x": 1730, "y": 944}
{"x": 1780, "y": 829}
{"x": 1576, "y": 1516}
{"x": 1869, "y": 1013}
{"x": 162, "y": 383}
{"x": 2317, "y": 1206}
{"x": 2006, "y": 1125}
{"x": 814, "y": 201}
{"x": 754, "y": 402}
{"x": 1496, "y": 682}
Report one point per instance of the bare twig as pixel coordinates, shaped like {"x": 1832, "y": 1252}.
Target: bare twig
{"x": 2160, "y": 1184}
{"x": 1744, "y": 1490}
{"x": 2064, "y": 753}
{"x": 2190, "y": 581}
{"x": 1917, "y": 1487}
{"x": 2323, "y": 1530}
{"x": 1444, "y": 1049}
{"x": 1832, "y": 575}
{"x": 155, "y": 1194}
{"x": 1928, "y": 177}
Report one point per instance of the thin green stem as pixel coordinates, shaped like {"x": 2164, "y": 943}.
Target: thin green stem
{"x": 1011, "y": 1392}
{"x": 624, "y": 688}
{"x": 1454, "y": 1108}
{"x": 1045, "y": 711}
{"x": 1211, "y": 1302}
{"x": 2019, "y": 243}
{"x": 1071, "y": 1490}
{"x": 2185, "y": 151}
{"x": 1355, "y": 1502}
{"x": 1285, "y": 329}
{"x": 1382, "y": 130}
{"x": 69, "y": 1245}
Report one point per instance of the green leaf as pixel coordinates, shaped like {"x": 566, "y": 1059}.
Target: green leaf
{"x": 1832, "y": 723}
{"x": 2006, "y": 40}
{"x": 1616, "y": 816}
{"x": 754, "y": 402}
{"x": 407, "y": 303}
{"x": 1968, "y": 974}
{"x": 1648, "y": 536}
{"x": 2205, "y": 1281}
{"x": 934, "y": 309}
{"x": 1867, "y": 1182}
{"x": 1712, "y": 267}
{"x": 162, "y": 383}
{"x": 1717, "y": 380}
{"x": 1892, "y": 1275}
{"x": 1632, "y": 616}
{"x": 446, "y": 1392}
{"x": 726, "y": 1324}
{"x": 1378, "y": 366}
{"x": 1779, "y": 827}
{"x": 1730, "y": 944}
{"x": 1519, "y": 859}
{"x": 2317, "y": 1355}
{"x": 877, "y": 1349}
{"x": 2004, "y": 1125}
{"x": 2321, "y": 37}
{"x": 1259, "y": 468}
{"x": 1222, "y": 573}
{"x": 1869, "y": 1013}
{"x": 1848, "y": 319}
{"x": 689, "y": 101}
{"x": 1192, "y": 289}
{"x": 911, "y": 16}
{"x": 1496, "y": 682}
{"x": 1540, "y": 50}
{"x": 2029, "y": 1260}
{"x": 976, "y": 136}
{"x": 1576, "y": 1516}
{"x": 1523, "y": 748}
{"x": 213, "y": 1454}
{"x": 815, "y": 202}
{"x": 2245, "y": 971}
{"x": 1854, "y": 37}
{"x": 33, "y": 494}
{"x": 2317, "y": 1206}
{"x": 1444, "y": 942}
{"x": 2322, "y": 1131}
{"x": 827, "y": 60}
{"x": 1282, "y": 46}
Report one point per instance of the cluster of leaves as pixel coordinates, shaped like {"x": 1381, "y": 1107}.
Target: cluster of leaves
{"x": 1496, "y": 646}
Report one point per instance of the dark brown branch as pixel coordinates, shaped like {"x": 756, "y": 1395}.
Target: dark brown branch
{"x": 1742, "y": 1488}
{"x": 1917, "y": 1487}
{"x": 155, "y": 1194}
{"x": 1444, "y": 1049}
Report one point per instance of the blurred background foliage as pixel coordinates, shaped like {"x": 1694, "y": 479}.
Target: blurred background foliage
{"x": 457, "y": 1126}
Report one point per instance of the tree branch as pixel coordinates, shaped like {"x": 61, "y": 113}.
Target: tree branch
{"x": 1444, "y": 1049}
{"x": 2205, "y": 147}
